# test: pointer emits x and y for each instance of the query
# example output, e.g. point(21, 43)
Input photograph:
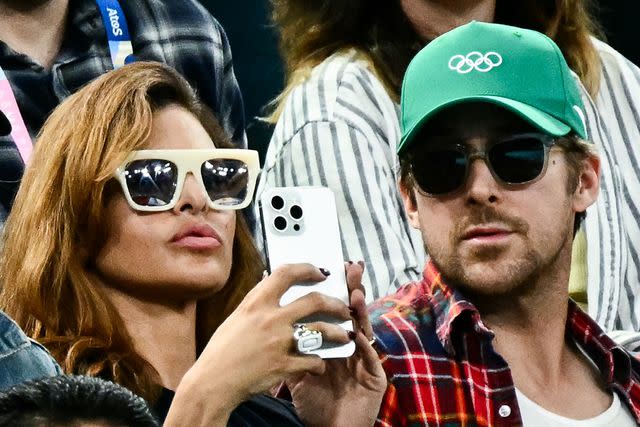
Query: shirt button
point(504, 411)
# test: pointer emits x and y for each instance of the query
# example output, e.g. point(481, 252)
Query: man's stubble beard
point(519, 276)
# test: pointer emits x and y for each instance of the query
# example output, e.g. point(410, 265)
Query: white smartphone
point(300, 225)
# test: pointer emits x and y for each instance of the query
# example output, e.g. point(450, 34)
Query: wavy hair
point(55, 229)
point(310, 32)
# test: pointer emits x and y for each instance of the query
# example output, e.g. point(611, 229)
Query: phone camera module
point(280, 223)
point(277, 202)
point(296, 212)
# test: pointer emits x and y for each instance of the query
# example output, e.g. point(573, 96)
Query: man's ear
point(588, 186)
point(410, 205)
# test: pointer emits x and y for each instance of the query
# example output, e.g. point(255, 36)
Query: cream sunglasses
point(152, 180)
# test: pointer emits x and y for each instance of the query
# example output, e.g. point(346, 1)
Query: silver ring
point(306, 339)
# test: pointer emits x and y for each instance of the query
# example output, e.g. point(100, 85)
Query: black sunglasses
point(517, 159)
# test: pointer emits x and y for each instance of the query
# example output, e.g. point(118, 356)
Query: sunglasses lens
point(151, 182)
point(226, 181)
point(518, 160)
point(439, 170)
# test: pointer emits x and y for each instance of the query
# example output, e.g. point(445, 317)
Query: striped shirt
point(613, 223)
point(444, 371)
point(340, 129)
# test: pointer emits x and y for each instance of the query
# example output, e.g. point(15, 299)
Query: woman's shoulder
point(612, 60)
point(344, 76)
point(342, 85)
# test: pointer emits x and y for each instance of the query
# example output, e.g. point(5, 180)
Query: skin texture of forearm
point(199, 404)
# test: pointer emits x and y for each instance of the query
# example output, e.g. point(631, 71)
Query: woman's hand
point(350, 390)
point(254, 349)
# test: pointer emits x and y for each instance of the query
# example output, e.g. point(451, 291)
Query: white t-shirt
point(534, 415)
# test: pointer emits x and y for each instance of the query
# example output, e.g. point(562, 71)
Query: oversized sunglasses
point(439, 169)
point(152, 180)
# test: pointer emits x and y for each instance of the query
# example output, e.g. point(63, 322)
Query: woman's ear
point(588, 187)
point(410, 205)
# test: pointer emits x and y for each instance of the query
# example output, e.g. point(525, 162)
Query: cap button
point(504, 411)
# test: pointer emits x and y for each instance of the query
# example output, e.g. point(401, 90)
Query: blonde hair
point(378, 30)
point(55, 231)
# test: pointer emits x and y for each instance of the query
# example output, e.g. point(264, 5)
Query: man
point(50, 48)
point(496, 175)
point(73, 401)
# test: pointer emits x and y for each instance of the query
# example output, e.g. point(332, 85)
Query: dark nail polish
point(350, 262)
point(352, 335)
point(325, 271)
point(361, 264)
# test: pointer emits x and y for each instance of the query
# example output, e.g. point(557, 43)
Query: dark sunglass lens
point(518, 160)
point(151, 182)
point(439, 171)
point(226, 181)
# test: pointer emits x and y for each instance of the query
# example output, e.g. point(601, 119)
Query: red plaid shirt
point(443, 370)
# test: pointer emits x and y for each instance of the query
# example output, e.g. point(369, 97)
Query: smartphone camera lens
point(296, 212)
point(277, 202)
point(296, 227)
point(280, 223)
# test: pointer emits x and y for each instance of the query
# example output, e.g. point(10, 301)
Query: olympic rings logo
point(475, 61)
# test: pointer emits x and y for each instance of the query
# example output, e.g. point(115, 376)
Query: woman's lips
point(197, 237)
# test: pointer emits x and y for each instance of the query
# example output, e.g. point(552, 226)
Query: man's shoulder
point(404, 321)
point(166, 20)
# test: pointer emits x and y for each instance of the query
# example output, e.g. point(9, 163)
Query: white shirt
point(534, 415)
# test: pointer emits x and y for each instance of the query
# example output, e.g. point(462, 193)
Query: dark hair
point(576, 152)
point(311, 31)
point(67, 400)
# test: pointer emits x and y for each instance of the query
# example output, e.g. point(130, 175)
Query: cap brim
point(533, 116)
point(5, 125)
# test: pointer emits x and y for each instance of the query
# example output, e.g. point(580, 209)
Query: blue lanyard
point(117, 32)
point(121, 52)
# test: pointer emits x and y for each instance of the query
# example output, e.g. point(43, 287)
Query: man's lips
point(486, 233)
point(197, 236)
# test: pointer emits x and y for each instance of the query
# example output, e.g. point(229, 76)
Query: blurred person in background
point(132, 264)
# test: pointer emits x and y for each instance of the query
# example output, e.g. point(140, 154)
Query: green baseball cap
point(520, 70)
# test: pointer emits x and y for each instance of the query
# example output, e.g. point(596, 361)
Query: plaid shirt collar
point(455, 315)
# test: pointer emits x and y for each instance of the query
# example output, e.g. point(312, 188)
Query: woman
point(132, 256)
point(337, 125)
